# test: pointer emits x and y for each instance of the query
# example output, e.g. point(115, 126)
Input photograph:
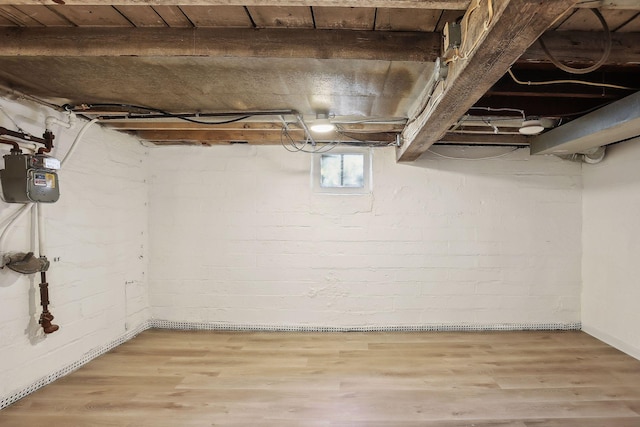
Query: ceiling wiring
point(294, 148)
point(474, 158)
point(581, 82)
point(18, 128)
point(580, 113)
point(500, 110)
point(462, 52)
point(399, 120)
point(594, 67)
point(187, 117)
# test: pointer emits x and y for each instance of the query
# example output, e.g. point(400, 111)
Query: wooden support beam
point(264, 126)
point(229, 42)
point(415, 4)
point(215, 135)
point(483, 139)
point(265, 136)
point(609, 4)
point(492, 46)
point(399, 4)
point(585, 47)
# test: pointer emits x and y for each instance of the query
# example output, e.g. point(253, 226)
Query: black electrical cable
point(185, 117)
point(298, 149)
point(580, 113)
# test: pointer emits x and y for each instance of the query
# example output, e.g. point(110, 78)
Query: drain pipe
point(592, 157)
point(69, 124)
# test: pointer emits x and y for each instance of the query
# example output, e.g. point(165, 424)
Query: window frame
point(367, 174)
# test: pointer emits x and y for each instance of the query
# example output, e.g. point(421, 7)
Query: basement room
point(361, 213)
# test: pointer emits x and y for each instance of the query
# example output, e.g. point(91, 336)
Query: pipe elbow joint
point(49, 121)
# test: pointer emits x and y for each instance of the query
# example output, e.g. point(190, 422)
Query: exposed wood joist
point(567, 46)
point(609, 4)
point(515, 25)
point(585, 47)
point(471, 139)
point(229, 42)
point(216, 135)
point(401, 4)
point(414, 4)
point(264, 126)
point(264, 136)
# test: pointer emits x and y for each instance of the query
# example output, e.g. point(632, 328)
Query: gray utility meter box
point(30, 178)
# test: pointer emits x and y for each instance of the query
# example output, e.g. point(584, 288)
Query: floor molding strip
point(86, 358)
point(457, 327)
point(195, 326)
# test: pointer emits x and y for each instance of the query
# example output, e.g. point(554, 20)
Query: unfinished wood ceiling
point(266, 68)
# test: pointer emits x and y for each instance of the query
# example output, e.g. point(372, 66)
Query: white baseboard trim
point(612, 341)
point(189, 326)
point(86, 358)
point(192, 326)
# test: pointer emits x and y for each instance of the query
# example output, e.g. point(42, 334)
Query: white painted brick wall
point(611, 235)
point(235, 234)
point(238, 236)
point(98, 229)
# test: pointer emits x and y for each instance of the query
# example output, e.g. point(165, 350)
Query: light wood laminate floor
point(173, 378)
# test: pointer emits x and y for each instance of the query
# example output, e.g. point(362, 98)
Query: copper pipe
point(46, 140)
point(23, 136)
point(16, 147)
point(46, 317)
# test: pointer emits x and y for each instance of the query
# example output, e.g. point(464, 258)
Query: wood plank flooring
point(508, 379)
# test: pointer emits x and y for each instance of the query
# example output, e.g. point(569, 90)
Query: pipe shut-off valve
point(31, 178)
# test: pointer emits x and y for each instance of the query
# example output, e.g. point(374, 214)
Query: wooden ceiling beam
point(264, 126)
point(475, 139)
point(568, 46)
point(585, 47)
point(400, 4)
point(215, 135)
point(493, 45)
point(403, 4)
point(221, 42)
point(275, 137)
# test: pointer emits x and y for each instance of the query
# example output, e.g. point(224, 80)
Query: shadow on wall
point(494, 161)
point(34, 329)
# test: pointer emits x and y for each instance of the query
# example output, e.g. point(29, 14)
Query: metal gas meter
point(30, 178)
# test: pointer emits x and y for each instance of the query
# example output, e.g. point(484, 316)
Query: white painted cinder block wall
point(238, 236)
point(611, 236)
point(98, 230)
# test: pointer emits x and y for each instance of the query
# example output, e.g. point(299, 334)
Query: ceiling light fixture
point(531, 127)
point(322, 124)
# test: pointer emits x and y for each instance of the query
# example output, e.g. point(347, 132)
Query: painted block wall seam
point(247, 241)
point(277, 237)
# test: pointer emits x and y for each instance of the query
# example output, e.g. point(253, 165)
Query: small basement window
point(342, 172)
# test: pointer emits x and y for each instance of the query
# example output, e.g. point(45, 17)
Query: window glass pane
point(330, 170)
point(342, 170)
point(353, 170)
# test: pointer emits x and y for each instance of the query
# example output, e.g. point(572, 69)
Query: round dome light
point(322, 126)
point(531, 127)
